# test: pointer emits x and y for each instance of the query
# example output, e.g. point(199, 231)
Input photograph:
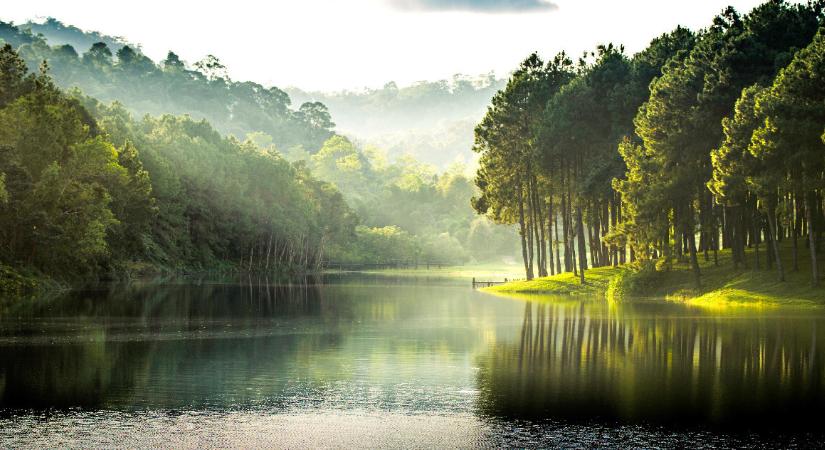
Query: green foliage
point(386, 244)
point(58, 176)
point(220, 199)
point(109, 69)
point(4, 194)
point(432, 209)
point(792, 113)
point(56, 31)
point(85, 189)
point(15, 285)
point(716, 135)
point(680, 123)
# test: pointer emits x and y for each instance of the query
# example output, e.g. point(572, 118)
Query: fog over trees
point(431, 121)
point(183, 167)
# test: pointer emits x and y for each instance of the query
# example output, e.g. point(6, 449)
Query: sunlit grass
point(562, 284)
point(723, 286)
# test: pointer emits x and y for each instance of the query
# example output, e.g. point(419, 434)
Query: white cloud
point(489, 6)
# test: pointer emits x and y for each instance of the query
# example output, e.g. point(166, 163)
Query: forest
point(112, 165)
point(702, 142)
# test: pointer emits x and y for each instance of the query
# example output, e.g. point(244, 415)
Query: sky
point(332, 45)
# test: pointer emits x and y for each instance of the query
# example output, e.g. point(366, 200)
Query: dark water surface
point(381, 361)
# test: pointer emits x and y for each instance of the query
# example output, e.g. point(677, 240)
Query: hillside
point(432, 121)
point(109, 70)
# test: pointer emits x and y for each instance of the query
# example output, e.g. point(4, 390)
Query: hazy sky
point(337, 44)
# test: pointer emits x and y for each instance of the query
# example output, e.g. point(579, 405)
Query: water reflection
point(655, 362)
point(97, 348)
point(350, 342)
point(407, 346)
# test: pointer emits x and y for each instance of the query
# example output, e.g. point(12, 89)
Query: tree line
point(89, 191)
point(717, 135)
point(404, 209)
point(113, 70)
point(86, 189)
point(408, 210)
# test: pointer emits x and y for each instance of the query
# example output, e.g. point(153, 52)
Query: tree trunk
point(582, 250)
point(739, 240)
point(772, 231)
point(694, 260)
point(522, 233)
point(566, 232)
point(550, 221)
point(530, 252)
point(794, 229)
point(538, 228)
point(556, 239)
point(811, 240)
point(715, 244)
point(268, 250)
point(678, 237)
point(666, 247)
point(756, 241)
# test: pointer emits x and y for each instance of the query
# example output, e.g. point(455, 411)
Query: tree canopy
point(715, 134)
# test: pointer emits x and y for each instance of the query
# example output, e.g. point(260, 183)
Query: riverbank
point(25, 283)
point(722, 285)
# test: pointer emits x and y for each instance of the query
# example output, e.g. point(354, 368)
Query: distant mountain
point(430, 120)
point(110, 69)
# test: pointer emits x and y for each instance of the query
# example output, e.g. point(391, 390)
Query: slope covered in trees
point(109, 69)
point(703, 141)
point(408, 210)
point(86, 189)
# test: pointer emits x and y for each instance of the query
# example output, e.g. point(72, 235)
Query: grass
point(597, 281)
point(722, 284)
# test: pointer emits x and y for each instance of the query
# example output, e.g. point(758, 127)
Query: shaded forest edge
point(634, 173)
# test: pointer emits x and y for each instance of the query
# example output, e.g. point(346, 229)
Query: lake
point(356, 360)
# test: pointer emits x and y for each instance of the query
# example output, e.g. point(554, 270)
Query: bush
point(14, 284)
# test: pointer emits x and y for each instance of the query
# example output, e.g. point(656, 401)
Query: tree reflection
point(120, 339)
point(655, 363)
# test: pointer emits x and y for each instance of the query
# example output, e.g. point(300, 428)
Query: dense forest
point(703, 141)
point(93, 186)
point(86, 188)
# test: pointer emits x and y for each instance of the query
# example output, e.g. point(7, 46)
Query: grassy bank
point(722, 285)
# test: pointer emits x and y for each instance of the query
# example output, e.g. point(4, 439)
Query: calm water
point(367, 361)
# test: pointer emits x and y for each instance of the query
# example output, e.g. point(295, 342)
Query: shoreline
point(722, 284)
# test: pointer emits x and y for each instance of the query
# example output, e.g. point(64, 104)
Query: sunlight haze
point(333, 45)
point(412, 224)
